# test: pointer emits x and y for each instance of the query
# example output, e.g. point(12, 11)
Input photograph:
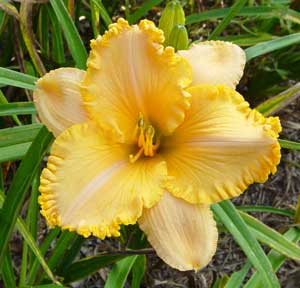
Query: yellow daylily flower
point(150, 136)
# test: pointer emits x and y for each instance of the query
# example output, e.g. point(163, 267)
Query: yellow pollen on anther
point(147, 139)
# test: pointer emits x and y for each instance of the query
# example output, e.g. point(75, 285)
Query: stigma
point(146, 138)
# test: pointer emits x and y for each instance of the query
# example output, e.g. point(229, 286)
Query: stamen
point(145, 136)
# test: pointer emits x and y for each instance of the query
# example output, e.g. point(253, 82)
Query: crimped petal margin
point(90, 187)
point(58, 99)
point(129, 72)
point(222, 147)
point(216, 62)
point(184, 235)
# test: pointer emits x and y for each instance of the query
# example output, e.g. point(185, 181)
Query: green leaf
point(17, 79)
point(104, 14)
point(88, 266)
point(17, 108)
point(227, 213)
point(21, 227)
point(237, 278)
point(17, 135)
point(268, 209)
point(138, 271)
point(14, 152)
point(7, 272)
point(58, 52)
point(236, 7)
point(289, 144)
point(280, 101)
point(3, 100)
point(118, 275)
point(43, 249)
point(20, 185)
point(143, 10)
point(72, 36)
point(220, 13)
point(275, 258)
point(271, 238)
point(57, 255)
point(270, 46)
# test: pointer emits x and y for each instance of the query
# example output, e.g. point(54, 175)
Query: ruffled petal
point(184, 235)
point(216, 62)
point(58, 99)
point(222, 147)
point(129, 72)
point(90, 186)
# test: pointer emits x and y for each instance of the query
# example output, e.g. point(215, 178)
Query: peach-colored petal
point(222, 147)
point(184, 235)
point(216, 62)
point(90, 186)
point(58, 99)
point(130, 73)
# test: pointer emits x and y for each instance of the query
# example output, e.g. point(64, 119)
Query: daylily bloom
point(150, 136)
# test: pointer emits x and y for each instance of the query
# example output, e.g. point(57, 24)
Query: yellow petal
point(129, 72)
point(216, 62)
point(90, 186)
point(222, 147)
point(184, 235)
point(58, 100)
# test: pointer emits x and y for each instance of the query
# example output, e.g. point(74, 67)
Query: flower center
point(147, 139)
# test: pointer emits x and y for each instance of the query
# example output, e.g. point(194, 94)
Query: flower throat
point(147, 139)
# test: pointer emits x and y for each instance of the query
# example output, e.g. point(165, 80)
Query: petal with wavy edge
point(222, 147)
point(184, 235)
point(216, 62)
point(58, 99)
point(90, 186)
point(130, 72)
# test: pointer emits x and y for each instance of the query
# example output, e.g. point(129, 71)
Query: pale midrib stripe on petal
point(216, 141)
point(90, 189)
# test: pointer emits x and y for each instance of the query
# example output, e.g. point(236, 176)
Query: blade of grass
point(278, 102)
point(21, 227)
point(31, 224)
point(143, 10)
point(20, 185)
point(3, 100)
point(236, 7)
point(17, 135)
point(17, 79)
point(44, 247)
point(275, 258)
point(255, 11)
point(14, 152)
point(237, 278)
point(57, 255)
point(9, 9)
point(95, 19)
point(17, 108)
point(104, 14)
point(268, 209)
point(7, 272)
point(234, 223)
point(58, 52)
point(271, 238)
point(289, 144)
point(72, 36)
point(28, 36)
point(272, 45)
point(138, 271)
point(87, 266)
point(118, 275)
point(43, 30)
point(70, 254)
